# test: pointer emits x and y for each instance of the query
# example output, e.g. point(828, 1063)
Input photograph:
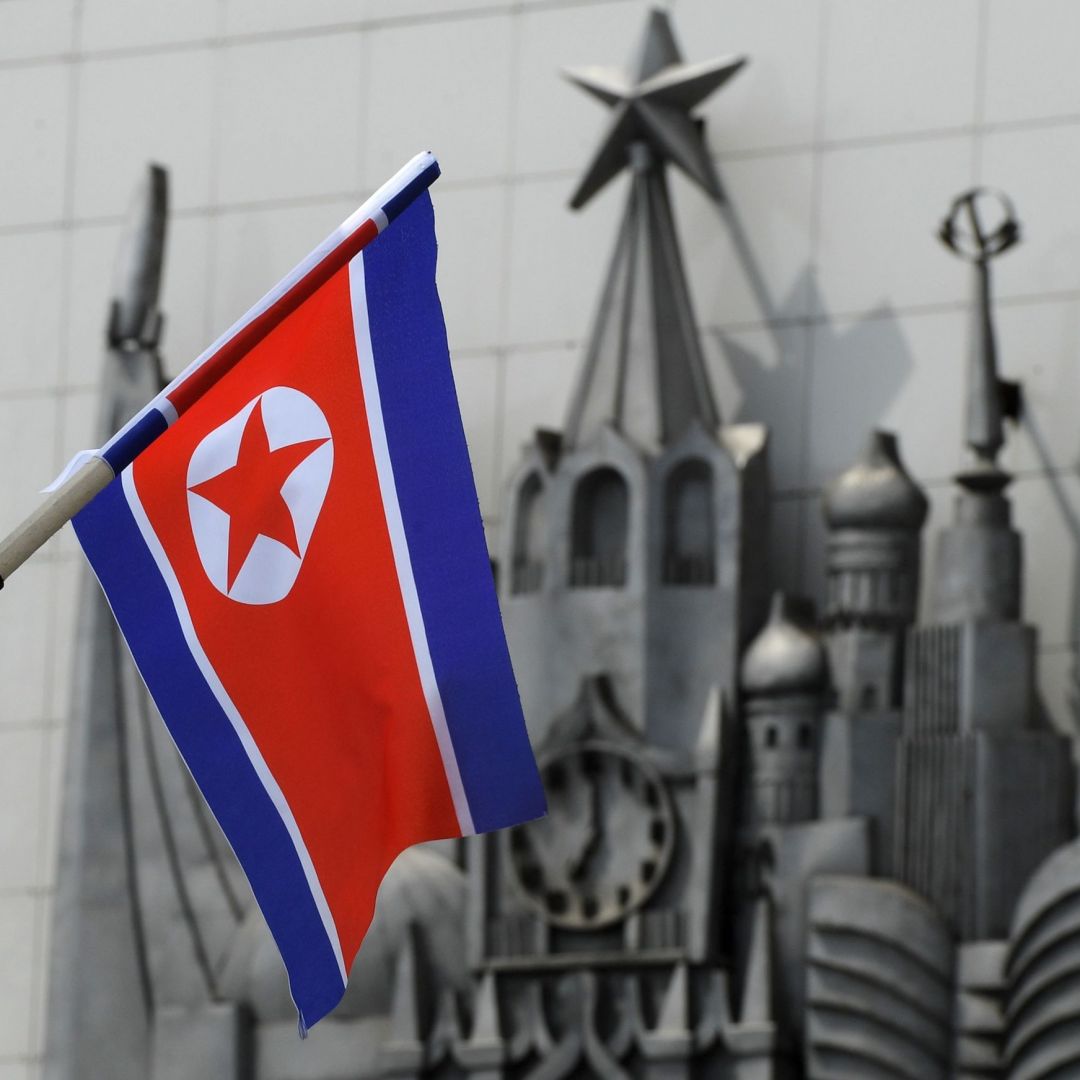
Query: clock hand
point(575, 866)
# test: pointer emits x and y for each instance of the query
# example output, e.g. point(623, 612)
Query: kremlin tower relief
point(633, 535)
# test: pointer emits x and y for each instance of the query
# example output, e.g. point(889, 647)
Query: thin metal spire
point(989, 399)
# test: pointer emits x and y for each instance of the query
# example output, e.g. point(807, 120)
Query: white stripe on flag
point(400, 544)
point(258, 763)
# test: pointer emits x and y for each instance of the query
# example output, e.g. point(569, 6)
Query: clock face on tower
point(605, 844)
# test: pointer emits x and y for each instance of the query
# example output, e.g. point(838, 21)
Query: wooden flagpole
point(59, 507)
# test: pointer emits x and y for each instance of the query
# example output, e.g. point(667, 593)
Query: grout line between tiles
point(222, 40)
point(814, 242)
point(506, 257)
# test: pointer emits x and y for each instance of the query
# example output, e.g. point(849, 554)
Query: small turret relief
point(785, 677)
point(874, 512)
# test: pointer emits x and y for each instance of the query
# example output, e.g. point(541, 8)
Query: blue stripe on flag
point(121, 453)
point(397, 203)
point(140, 600)
point(442, 523)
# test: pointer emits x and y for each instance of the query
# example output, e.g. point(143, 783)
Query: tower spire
point(644, 372)
point(978, 570)
point(135, 318)
point(966, 234)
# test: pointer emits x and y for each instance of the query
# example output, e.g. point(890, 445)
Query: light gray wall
point(841, 146)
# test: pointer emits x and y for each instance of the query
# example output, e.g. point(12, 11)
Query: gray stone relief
point(780, 843)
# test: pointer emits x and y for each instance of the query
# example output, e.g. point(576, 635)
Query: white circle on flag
point(242, 480)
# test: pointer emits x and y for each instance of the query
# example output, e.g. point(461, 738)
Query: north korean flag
point(297, 562)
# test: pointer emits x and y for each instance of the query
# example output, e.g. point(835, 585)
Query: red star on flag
point(250, 491)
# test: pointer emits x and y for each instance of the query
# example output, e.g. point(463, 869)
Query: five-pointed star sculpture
point(653, 106)
point(250, 491)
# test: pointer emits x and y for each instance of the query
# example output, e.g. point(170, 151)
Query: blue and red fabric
point(297, 561)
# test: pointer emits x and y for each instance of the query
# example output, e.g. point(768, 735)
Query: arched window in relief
point(530, 520)
point(601, 521)
point(689, 525)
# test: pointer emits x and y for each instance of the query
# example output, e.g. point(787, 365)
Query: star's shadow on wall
point(844, 373)
point(819, 383)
